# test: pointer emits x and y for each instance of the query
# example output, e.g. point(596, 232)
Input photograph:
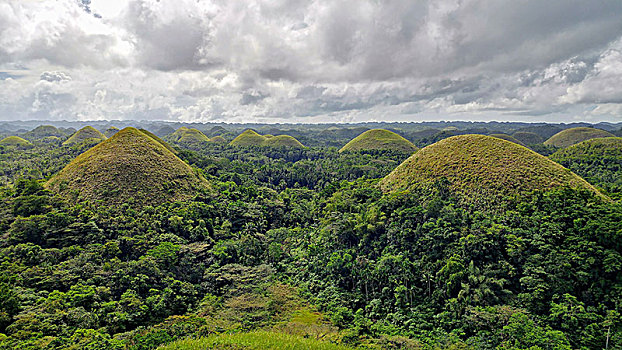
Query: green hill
point(282, 141)
point(129, 167)
point(186, 135)
point(599, 161)
point(481, 170)
point(15, 141)
point(42, 131)
point(111, 131)
point(251, 138)
point(86, 133)
point(379, 139)
point(573, 136)
point(218, 139)
point(507, 138)
point(162, 142)
point(528, 138)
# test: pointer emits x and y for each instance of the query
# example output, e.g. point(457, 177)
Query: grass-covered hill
point(162, 142)
point(43, 131)
point(599, 161)
point(130, 167)
point(251, 138)
point(218, 139)
point(15, 141)
point(481, 169)
point(572, 136)
point(507, 138)
point(111, 131)
point(379, 139)
point(87, 133)
point(185, 135)
point(528, 138)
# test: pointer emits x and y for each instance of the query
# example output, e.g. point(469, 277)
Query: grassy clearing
point(260, 340)
point(573, 136)
point(379, 139)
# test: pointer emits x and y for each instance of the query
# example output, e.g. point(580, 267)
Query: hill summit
point(251, 138)
point(481, 170)
point(87, 133)
point(573, 136)
point(379, 139)
point(130, 167)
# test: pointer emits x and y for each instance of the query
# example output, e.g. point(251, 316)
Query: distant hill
point(528, 138)
point(545, 131)
point(111, 131)
point(185, 135)
point(87, 133)
point(15, 141)
point(251, 138)
point(598, 160)
point(43, 131)
point(162, 142)
point(130, 167)
point(379, 139)
point(218, 139)
point(165, 130)
point(572, 136)
point(481, 170)
point(507, 138)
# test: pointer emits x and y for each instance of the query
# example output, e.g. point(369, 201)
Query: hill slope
point(84, 134)
point(528, 138)
point(481, 169)
point(111, 131)
point(379, 139)
point(507, 138)
point(572, 136)
point(128, 167)
point(15, 141)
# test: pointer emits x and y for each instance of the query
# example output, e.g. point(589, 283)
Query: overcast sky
point(311, 61)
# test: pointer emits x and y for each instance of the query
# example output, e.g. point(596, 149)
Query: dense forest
point(304, 245)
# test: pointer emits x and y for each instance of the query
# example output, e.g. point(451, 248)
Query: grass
point(15, 141)
point(260, 340)
point(186, 135)
point(481, 170)
point(251, 138)
point(129, 167)
point(573, 136)
point(84, 134)
point(162, 142)
point(604, 147)
point(379, 139)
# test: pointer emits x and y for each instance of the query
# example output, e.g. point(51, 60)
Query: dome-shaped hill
point(481, 170)
point(248, 138)
point(42, 131)
point(282, 141)
point(218, 139)
point(593, 148)
point(379, 139)
point(111, 131)
point(86, 133)
point(130, 167)
point(217, 131)
point(188, 137)
point(528, 138)
point(162, 142)
point(251, 138)
point(572, 136)
point(15, 141)
point(507, 138)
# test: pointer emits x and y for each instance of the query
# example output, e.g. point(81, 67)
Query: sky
point(279, 61)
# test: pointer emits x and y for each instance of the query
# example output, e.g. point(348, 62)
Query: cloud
point(307, 60)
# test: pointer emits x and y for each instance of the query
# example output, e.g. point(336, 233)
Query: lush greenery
point(300, 249)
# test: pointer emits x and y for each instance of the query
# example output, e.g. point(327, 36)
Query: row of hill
point(250, 138)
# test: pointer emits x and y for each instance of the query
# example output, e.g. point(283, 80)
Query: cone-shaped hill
point(15, 141)
point(185, 135)
point(43, 131)
point(379, 139)
point(87, 133)
point(507, 138)
point(481, 170)
point(130, 167)
point(251, 138)
point(218, 139)
point(573, 136)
